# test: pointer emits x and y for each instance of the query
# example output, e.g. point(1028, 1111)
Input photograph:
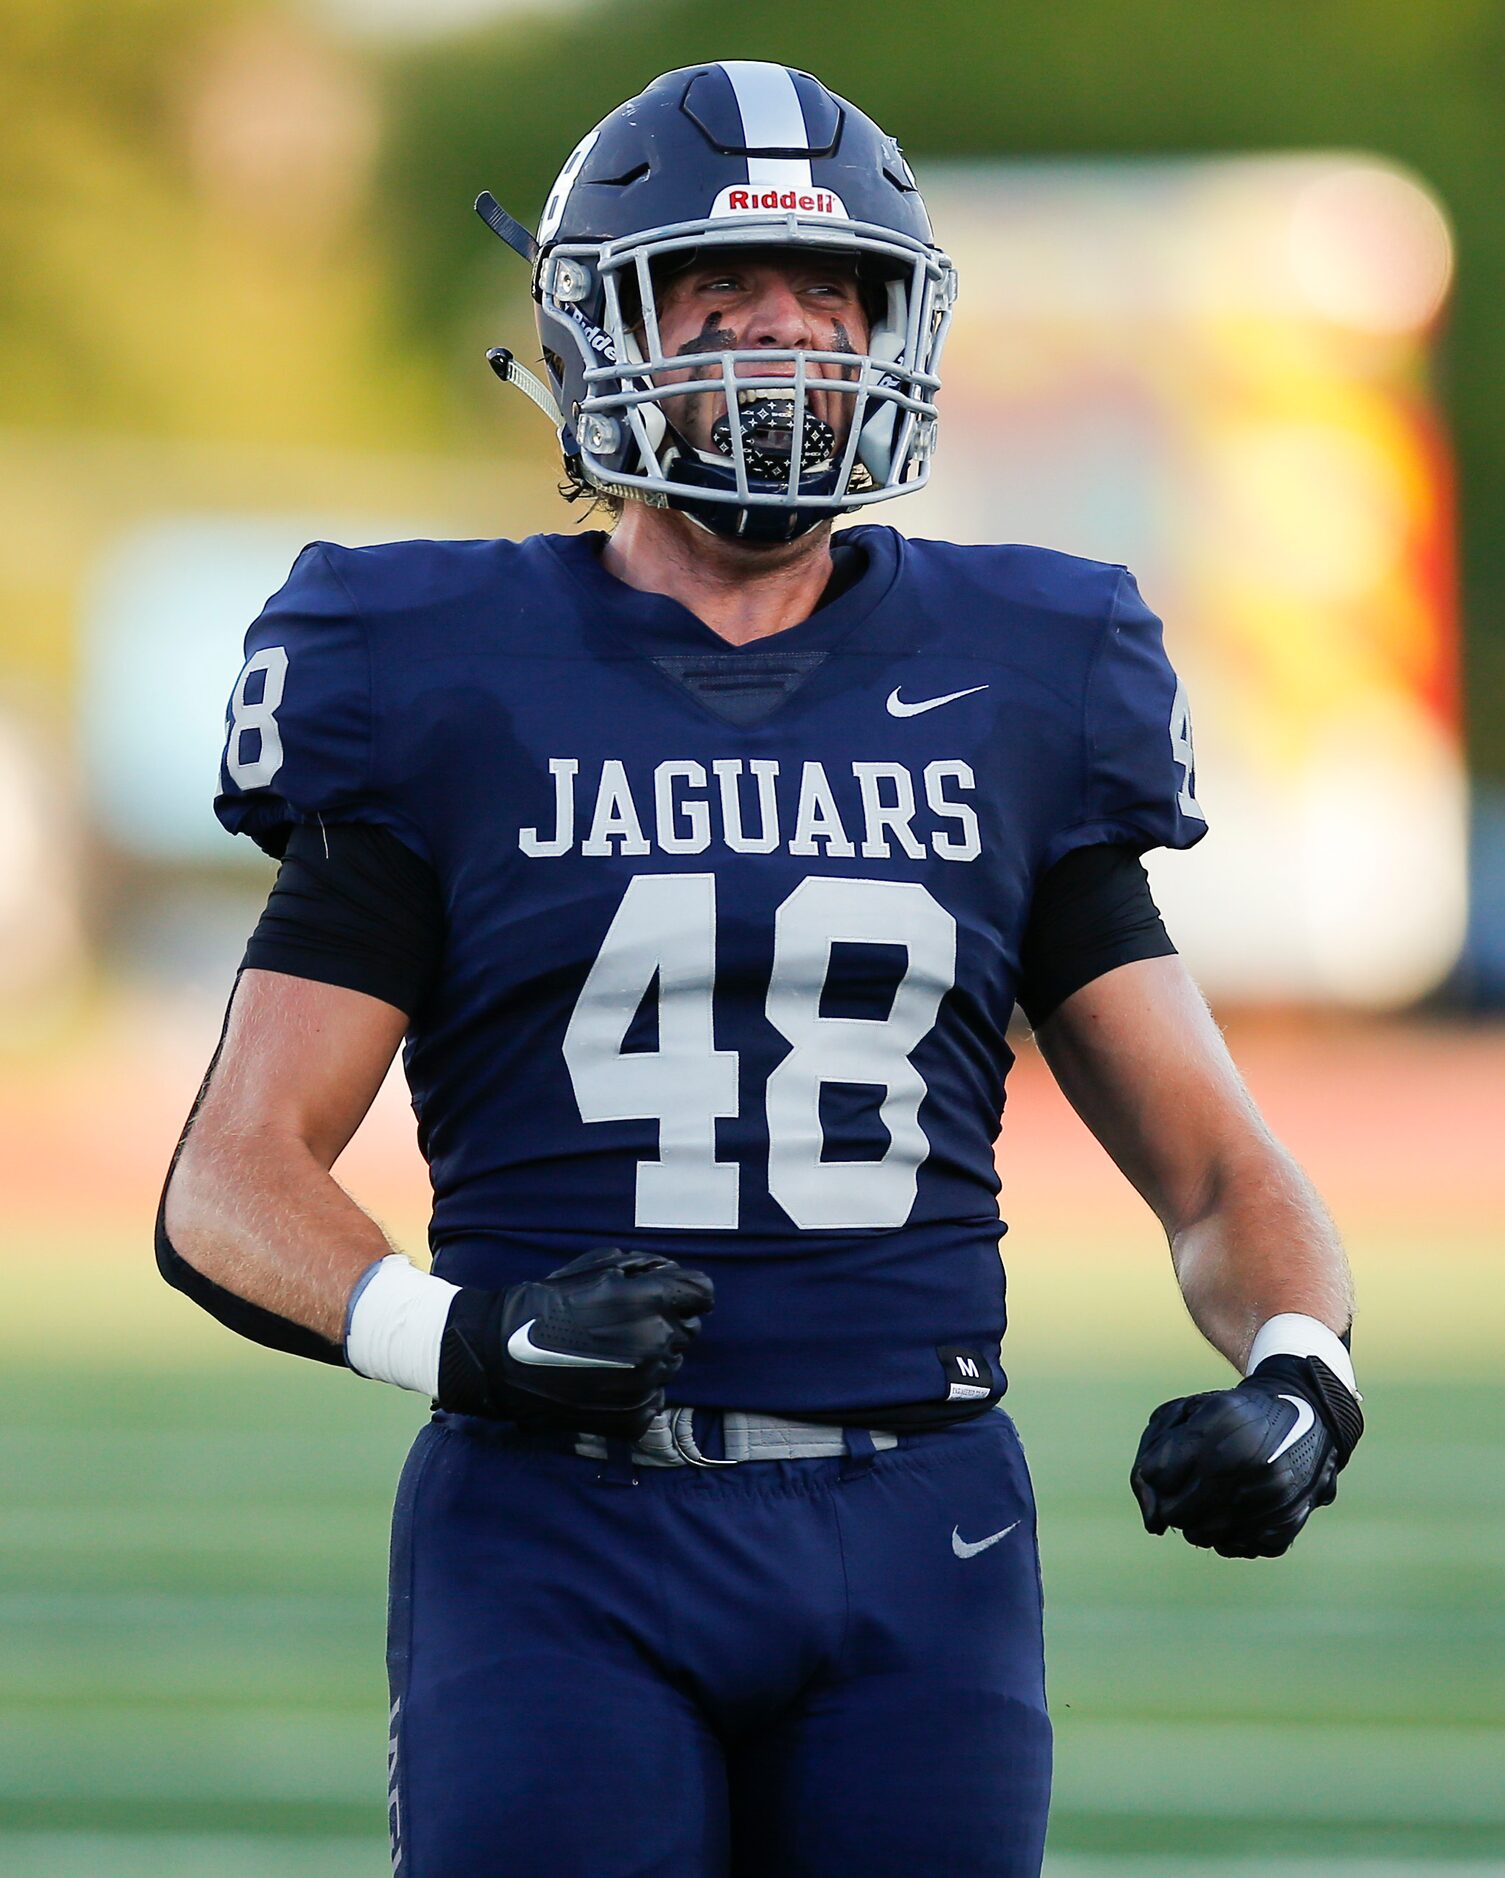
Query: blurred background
point(1231, 282)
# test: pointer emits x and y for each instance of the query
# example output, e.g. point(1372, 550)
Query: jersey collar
point(655, 624)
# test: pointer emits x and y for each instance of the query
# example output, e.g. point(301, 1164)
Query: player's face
point(760, 300)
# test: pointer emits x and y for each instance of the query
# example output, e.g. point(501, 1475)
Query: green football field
point(191, 1603)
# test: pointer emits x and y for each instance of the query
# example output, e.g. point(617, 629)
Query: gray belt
point(669, 1440)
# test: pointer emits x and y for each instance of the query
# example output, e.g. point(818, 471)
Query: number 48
point(665, 931)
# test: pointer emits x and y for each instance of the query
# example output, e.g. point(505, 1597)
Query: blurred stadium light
point(1214, 371)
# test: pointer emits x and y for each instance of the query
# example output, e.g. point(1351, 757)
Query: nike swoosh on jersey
point(898, 708)
point(522, 1349)
point(969, 1548)
point(1305, 1416)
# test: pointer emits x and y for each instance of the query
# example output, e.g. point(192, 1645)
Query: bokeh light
point(1149, 367)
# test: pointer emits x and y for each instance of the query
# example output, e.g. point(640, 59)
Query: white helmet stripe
point(771, 118)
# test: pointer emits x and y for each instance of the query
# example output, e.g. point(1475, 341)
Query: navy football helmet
point(754, 156)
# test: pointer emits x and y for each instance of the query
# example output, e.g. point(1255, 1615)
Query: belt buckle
point(682, 1434)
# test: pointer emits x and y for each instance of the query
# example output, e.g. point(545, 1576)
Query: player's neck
point(743, 593)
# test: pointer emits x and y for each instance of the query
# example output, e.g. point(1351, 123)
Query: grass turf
point(191, 1607)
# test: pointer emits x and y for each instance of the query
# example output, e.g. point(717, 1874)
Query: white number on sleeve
point(664, 935)
point(260, 717)
point(1182, 753)
point(665, 928)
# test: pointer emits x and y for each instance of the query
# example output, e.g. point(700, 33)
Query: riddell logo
point(594, 337)
point(750, 201)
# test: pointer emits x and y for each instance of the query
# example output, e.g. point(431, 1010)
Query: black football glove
point(1241, 1469)
point(589, 1347)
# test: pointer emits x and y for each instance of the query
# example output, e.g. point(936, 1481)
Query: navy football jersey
point(732, 934)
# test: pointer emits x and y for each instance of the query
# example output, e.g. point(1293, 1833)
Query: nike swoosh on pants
point(969, 1548)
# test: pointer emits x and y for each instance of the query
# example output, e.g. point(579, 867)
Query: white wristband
point(1291, 1334)
point(396, 1322)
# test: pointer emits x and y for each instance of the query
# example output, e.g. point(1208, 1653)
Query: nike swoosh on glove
point(589, 1347)
point(1241, 1470)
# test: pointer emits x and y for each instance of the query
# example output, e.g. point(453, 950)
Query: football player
point(697, 867)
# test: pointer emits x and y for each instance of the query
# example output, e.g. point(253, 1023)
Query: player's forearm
point(256, 1213)
point(590, 1346)
point(1262, 1245)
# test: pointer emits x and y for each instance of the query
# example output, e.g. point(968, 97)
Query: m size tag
point(968, 1377)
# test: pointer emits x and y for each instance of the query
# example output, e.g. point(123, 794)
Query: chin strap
point(510, 372)
point(507, 228)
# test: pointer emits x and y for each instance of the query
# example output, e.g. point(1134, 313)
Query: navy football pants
point(781, 1668)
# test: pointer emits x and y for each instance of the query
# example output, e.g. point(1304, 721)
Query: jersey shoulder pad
point(300, 737)
point(417, 581)
point(1138, 770)
point(1016, 577)
point(1078, 635)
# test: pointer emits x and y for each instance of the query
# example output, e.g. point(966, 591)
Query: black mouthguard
point(767, 426)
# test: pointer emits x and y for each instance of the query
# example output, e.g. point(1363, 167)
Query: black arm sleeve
point(353, 906)
point(1092, 911)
